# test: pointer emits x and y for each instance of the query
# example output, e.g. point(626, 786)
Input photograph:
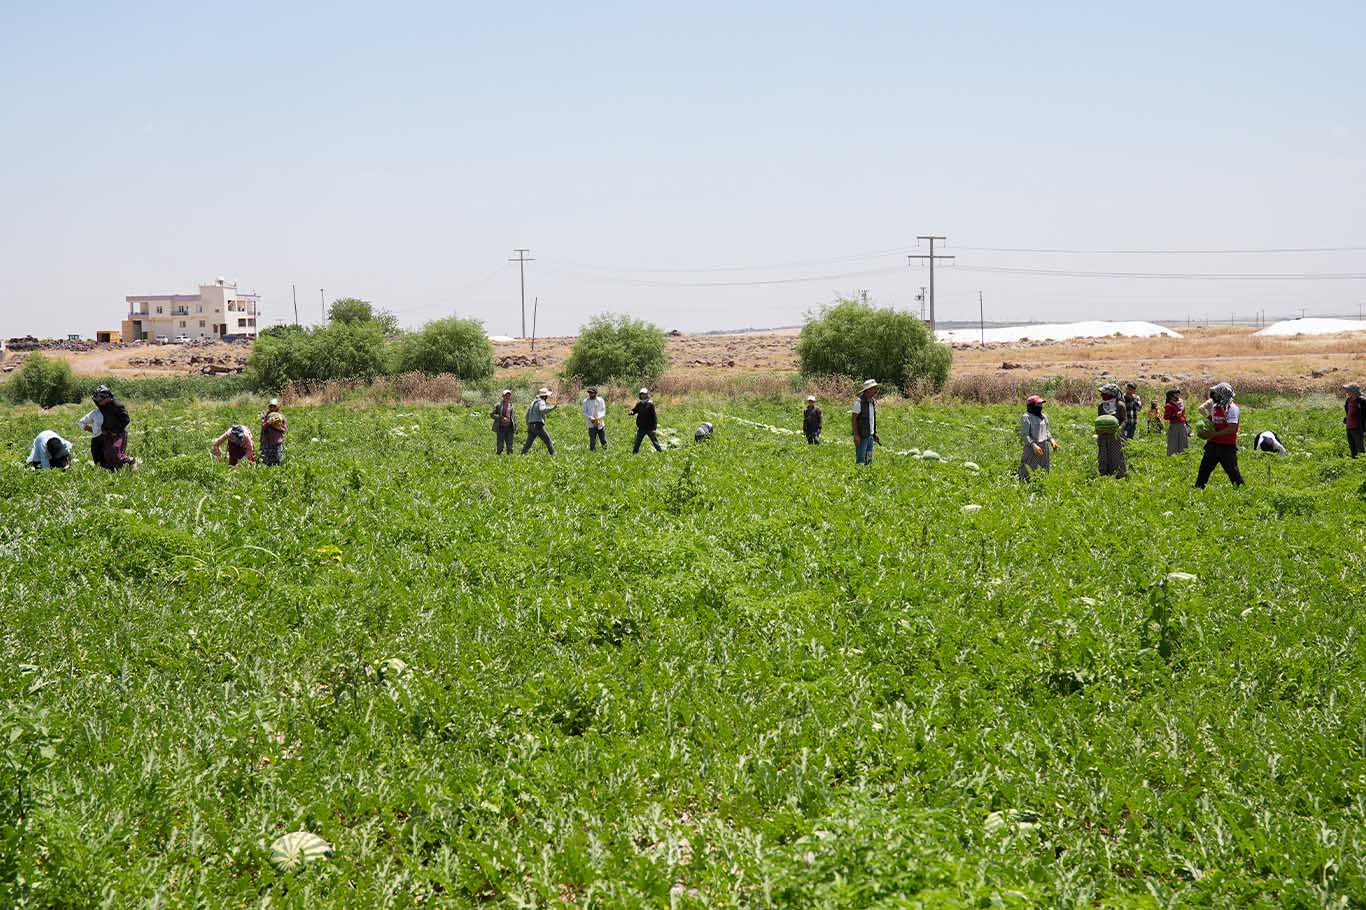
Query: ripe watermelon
point(296, 849)
point(1204, 428)
point(1107, 424)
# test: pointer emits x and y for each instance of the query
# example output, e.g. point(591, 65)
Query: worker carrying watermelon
point(1039, 444)
point(1111, 415)
point(273, 429)
point(1219, 429)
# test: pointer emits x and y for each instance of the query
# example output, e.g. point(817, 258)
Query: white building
point(218, 311)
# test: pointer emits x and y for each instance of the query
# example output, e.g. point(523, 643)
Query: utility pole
point(521, 261)
point(322, 304)
point(863, 297)
point(535, 306)
point(920, 298)
point(982, 318)
point(930, 259)
point(294, 292)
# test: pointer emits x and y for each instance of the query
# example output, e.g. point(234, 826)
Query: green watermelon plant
point(748, 673)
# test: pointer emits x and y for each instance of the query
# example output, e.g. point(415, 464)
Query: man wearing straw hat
point(864, 418)
point(535, 422)
point(504, 423)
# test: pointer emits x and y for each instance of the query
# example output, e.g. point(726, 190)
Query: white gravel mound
point(1312, 326)
point(1058, 331)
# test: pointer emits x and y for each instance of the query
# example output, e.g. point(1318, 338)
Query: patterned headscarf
point(1221, 393)
point(1109, 390)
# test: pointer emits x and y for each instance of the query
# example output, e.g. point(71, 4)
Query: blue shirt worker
point(864, 419)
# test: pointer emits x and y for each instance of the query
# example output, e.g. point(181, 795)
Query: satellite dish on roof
point(221, 280)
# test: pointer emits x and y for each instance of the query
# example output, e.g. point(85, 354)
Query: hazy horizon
point(703, 168)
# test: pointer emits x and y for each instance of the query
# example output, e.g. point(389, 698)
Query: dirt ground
point(1229, 350)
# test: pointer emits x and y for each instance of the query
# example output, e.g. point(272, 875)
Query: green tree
point(860, 341)
point(617, 348)
point(387, 322)
point(339, 350)
point(45, 381)
point(458, 346)
point(350, 311)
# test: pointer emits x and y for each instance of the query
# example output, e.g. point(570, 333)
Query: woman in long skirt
point(1178, 427)
point(1110, 450)
point(1038, 441)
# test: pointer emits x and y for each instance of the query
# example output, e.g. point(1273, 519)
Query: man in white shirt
point(50, 451)
point(595, 413)
point(92, 423)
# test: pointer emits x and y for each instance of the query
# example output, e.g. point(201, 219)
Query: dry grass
point(405, 388)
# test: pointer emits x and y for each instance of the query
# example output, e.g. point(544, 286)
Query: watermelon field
point(744, 673)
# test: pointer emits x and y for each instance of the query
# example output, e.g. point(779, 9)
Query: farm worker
point(1110, 451)
point(811, 421)
point(1354, 418)
point(647, 421)
point(535, 421)
point(1154, 418)
point(93, 423)
point(504, 423)
point(1039, 444)
point(595, 413)
point(1132, 405)
point(864, 420)
point(1267, 441)
point(1178, 427)
point(239, 443)
point(703, 432)
point(273, 429)
point(113, 431)
point(50, 451)
point(1221, 442)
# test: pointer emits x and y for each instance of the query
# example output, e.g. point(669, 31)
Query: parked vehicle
point(163, 339)
point(182, 338)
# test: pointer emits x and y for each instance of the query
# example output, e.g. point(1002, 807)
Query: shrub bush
point(456, 346)
point(859, 341)
point(45, 381)
point(339, 350)
point(617, 348)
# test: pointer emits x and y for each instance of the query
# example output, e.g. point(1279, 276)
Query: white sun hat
point(507, 391)
point(645, 391)
point(542, 391)
point(870, 384)
point(810, 397)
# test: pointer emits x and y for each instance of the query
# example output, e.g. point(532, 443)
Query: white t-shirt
point(39, 454)
point(94, 420)
point(594, 409)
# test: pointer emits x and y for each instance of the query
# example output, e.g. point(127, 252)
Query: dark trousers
point(596, 435)
point(1223, 454)
point(535, 431)
point(640, 437)
point(97, 451)
point(813, 438)
point(507, 438)
point(1355, 442)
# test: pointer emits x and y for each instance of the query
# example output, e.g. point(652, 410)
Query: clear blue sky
point(401, 153)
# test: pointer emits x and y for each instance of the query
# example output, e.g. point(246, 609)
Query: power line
point(751, 283)
point(1306, 249)
point(1173, 276)
point(521, 261)
point(799, 263)
point(930, 259)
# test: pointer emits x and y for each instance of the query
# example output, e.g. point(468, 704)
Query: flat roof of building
point(137, 297)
